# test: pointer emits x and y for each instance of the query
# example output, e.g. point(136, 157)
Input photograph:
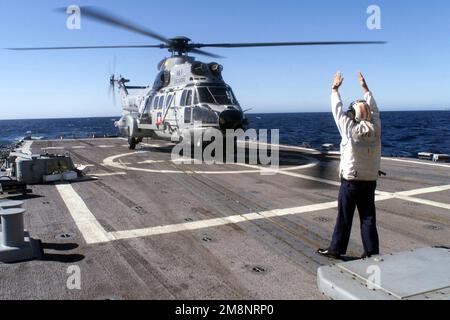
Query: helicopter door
point(170, 112)
point(186, 101)
point(154, 111)
point(146, 116)
point(160, 111)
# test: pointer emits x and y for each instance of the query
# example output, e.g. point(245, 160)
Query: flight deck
point(140, 225)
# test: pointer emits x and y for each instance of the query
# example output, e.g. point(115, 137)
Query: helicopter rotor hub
point(179, 45)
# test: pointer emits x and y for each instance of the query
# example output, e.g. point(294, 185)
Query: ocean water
point(404, 133)
point(14, 130)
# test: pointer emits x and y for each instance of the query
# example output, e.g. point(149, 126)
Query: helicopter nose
point(230, 119)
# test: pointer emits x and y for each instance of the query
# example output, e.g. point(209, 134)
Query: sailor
point(360, 129)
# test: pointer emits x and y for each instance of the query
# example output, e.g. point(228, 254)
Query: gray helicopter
point(187, 96)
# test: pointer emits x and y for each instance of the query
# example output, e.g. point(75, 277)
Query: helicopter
point(188, 96)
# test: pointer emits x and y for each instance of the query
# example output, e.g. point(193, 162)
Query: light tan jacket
point(361, 141)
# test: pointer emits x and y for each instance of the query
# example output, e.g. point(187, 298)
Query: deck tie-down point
point(15, 243)
point(10, 204)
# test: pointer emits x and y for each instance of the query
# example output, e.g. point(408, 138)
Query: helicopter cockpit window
point(186, 98)
point(195, 97)
point(161, 102)
point(216, 95)
point(204, 96)
point(222, 95)
point(189, 98)
point(183, 98)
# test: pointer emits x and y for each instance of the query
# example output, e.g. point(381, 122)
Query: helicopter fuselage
point(186, 97)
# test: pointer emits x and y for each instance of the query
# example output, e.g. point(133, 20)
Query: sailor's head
point(359, 110)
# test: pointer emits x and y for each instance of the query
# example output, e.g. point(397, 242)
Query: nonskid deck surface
point(151, 228)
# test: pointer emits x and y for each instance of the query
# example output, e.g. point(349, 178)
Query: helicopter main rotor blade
point(107, 18)
point(90, 47)
point(160, 46)
point(208, 54)
point(281, 44)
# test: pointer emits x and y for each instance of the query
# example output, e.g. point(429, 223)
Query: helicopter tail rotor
point(112, 88)
point(112, 80)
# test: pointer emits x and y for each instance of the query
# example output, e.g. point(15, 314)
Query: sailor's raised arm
point(340, 117)
point(368, 96)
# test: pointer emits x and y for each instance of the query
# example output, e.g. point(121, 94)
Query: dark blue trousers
point(361, 195)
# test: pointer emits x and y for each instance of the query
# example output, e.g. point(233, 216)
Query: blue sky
point(411, 72)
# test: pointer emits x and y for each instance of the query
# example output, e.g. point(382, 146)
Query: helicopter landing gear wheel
point(132, 143)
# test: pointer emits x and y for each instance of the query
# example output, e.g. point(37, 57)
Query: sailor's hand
point(362, 82)
point(338, 79)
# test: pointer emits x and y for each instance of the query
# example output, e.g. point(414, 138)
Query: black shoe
point(366, 255)
point(328, 253)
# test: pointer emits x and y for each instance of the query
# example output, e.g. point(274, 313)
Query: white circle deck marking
point(110, 161)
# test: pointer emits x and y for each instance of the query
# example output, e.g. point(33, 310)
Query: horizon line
point(248, 113)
